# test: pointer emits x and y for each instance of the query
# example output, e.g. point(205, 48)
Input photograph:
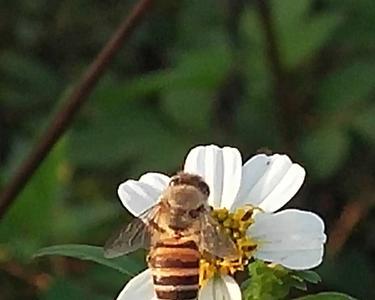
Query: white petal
point(269, 182)
point(252, 171)
point(292, 238)
point(140, 287)
point(138, 196)
point(220, 168)
point(157, 180)
point(232, 165)
point(222, 288)
point(207, 162)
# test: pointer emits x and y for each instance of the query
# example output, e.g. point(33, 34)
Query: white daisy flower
point(244, 198)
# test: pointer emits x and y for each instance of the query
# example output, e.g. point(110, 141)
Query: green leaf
point(289, 11)
point(297, 283)
point(309, 276)
point(190, 108)
point(124, 264)
point(127, 131)
point(64, 289)
point(28, 221)
point(305, 39)
point(115, 118)
point(30, 73)
point(299, 32)
point(327, 296)
point(268, 283)
point(199, 69)
point(72, 224)
point(346, 88)
point(324, 151)
point(274, 281)
point(200, 23)
point(204, 68)
point(364, 123)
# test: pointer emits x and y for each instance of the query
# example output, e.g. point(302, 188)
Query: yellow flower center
point(235, 225)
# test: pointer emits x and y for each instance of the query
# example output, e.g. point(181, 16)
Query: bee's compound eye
point(204, 188)
point(194, 213)
point(174, 181)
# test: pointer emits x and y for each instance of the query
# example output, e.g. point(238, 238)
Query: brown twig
point(351, 215)
point(281, 89)
point(229, 95)
point(63, 118)
point(354, 212)
point(272, 46)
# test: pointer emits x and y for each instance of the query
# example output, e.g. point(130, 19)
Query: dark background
point(294, 76)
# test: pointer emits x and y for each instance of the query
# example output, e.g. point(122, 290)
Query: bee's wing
point(135, 235)
point(215, 240)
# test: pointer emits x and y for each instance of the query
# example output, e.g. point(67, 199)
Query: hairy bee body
point(174, 265)
point(177, 230)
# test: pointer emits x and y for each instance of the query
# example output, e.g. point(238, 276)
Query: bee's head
point(191, 180)
point(186, 197)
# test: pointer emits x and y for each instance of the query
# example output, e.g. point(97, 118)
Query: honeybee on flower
point(242, 200)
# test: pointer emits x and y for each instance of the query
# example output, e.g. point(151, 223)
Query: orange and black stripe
point(175, 270)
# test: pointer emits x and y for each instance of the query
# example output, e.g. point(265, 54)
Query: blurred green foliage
point(197, 72)
point(275, 282)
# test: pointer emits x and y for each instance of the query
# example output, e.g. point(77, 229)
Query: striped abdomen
point(175, 270)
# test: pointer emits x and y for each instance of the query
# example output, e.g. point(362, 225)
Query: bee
point(178, 230)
